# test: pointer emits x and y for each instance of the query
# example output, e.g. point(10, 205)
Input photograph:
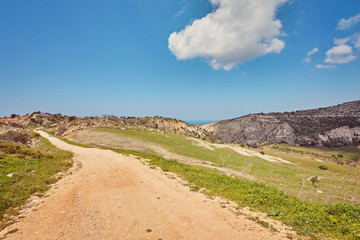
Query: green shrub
point(322, 167)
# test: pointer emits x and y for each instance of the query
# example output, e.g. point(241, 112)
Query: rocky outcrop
point(332, 126)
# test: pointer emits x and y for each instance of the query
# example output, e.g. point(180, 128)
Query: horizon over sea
point(199, 122)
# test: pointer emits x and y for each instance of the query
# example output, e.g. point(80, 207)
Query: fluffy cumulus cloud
point(339, 50)
point(345, 24)
point(236, 31)
point(340, 59)
point(308, 58)
point(339, 55)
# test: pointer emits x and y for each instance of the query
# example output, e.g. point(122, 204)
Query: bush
point(314, 180)
point(71, 118)
point(38, 112)
point(262, 153)
point(340, 156)
point(12, 136)
point(322, 167)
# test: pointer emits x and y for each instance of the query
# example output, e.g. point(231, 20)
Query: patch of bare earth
point(117, 197)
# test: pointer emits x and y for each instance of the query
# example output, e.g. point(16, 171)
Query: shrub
point(38, 112)
point(322, 167)
point(340, 156)
point(71, 118)
point(12, 136)
point(314, 180)
point(262, 153)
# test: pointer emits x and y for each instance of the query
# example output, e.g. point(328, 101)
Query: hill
point(62, 125)
point(331, 126)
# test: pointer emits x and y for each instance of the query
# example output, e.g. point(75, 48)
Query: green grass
point(35, 168)
point(348, 153)
point(335, 184)
point(339, 220)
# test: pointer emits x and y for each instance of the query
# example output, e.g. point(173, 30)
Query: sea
point(199, 122)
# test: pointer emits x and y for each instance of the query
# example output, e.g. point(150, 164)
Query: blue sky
point(94, 57)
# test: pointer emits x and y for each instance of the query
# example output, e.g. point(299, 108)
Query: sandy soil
point(118, 197)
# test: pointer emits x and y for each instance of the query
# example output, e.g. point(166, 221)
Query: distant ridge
point(330, 126)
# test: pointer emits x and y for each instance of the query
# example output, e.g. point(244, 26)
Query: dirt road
point(117, 197)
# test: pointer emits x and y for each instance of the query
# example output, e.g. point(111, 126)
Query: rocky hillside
point(162, 124)
point(64, 125)
point(331, 126)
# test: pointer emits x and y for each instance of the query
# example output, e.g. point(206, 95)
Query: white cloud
point(307, 60)
point(236, 31)
point(328, 67)
point(345, 24)
point(340, 59)
point(339, 50)
point(340, 54)
point(356, 40)
point(313, 51)
point(180, 12)
point(341, 41)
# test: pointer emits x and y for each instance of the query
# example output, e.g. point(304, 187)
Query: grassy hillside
point(25, 171)
point(318, 221)
point(283, 191)
point(335, 185)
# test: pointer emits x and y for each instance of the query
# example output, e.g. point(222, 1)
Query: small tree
point(314, 180)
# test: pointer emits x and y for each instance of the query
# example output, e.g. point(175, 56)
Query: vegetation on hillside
point(335, 184)
point(339, 220)
point(26, 170)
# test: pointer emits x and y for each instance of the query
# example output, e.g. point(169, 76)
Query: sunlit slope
point(293, 175)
